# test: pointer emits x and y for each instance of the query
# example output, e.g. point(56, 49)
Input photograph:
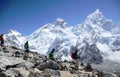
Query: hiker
point(52, 55)
point(26, 46)
point(2, 40)
point(75, 57)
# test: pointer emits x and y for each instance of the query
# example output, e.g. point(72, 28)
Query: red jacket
point(1, 37)
point(73, 55)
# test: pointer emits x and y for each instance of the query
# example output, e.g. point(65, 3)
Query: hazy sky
point(26, 16)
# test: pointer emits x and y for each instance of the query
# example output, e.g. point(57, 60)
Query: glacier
point(97, 38)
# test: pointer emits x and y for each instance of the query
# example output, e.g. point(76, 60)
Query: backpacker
point(1, 37)
point(73, 55)
point(52, 54)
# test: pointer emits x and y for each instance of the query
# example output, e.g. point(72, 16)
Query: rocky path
point(17, 63)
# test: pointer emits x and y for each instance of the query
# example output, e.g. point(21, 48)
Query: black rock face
point(90, 54)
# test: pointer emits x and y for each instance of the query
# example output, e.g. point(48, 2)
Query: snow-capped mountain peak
point(64, 38)
point(14, 38)
point(60, 20)
point(96, 16)
point(61, 23)
point(14, 32)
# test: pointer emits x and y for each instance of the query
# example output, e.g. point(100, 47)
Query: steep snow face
point(14, 38)
point(116, 31)
point(97, 30)
point(96, 17)
point(92, 29)
point(62, 46)
point(42, 38)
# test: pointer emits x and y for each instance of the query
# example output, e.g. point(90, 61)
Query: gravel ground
point(107, 66)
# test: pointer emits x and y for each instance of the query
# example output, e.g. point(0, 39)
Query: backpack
point(73, 55)
point(1, 37)
point(26, 45)
point(51, 56)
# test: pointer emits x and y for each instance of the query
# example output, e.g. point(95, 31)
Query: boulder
point(89, 53)
point(26, 65)
point(49, 65)
point(22, 71)
point(12, 73)
point(6, 61)
point(34, 72)
point(2, 74)
point(50, 73)
point(18, 54)
point(88, 67)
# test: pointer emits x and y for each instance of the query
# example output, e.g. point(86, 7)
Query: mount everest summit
point(96, 39)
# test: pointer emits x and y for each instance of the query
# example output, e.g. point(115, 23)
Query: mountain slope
point(14, 38)
point(100, 33)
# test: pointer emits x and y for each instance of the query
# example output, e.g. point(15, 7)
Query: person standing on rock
point(75, 57)
point(26, 46)
point(2, 40)
point(52, 55)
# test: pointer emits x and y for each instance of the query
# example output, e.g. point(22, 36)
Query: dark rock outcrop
point(90, 54)
point(49, 65)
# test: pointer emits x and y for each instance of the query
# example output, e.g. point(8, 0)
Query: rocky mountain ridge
point(15, 62)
